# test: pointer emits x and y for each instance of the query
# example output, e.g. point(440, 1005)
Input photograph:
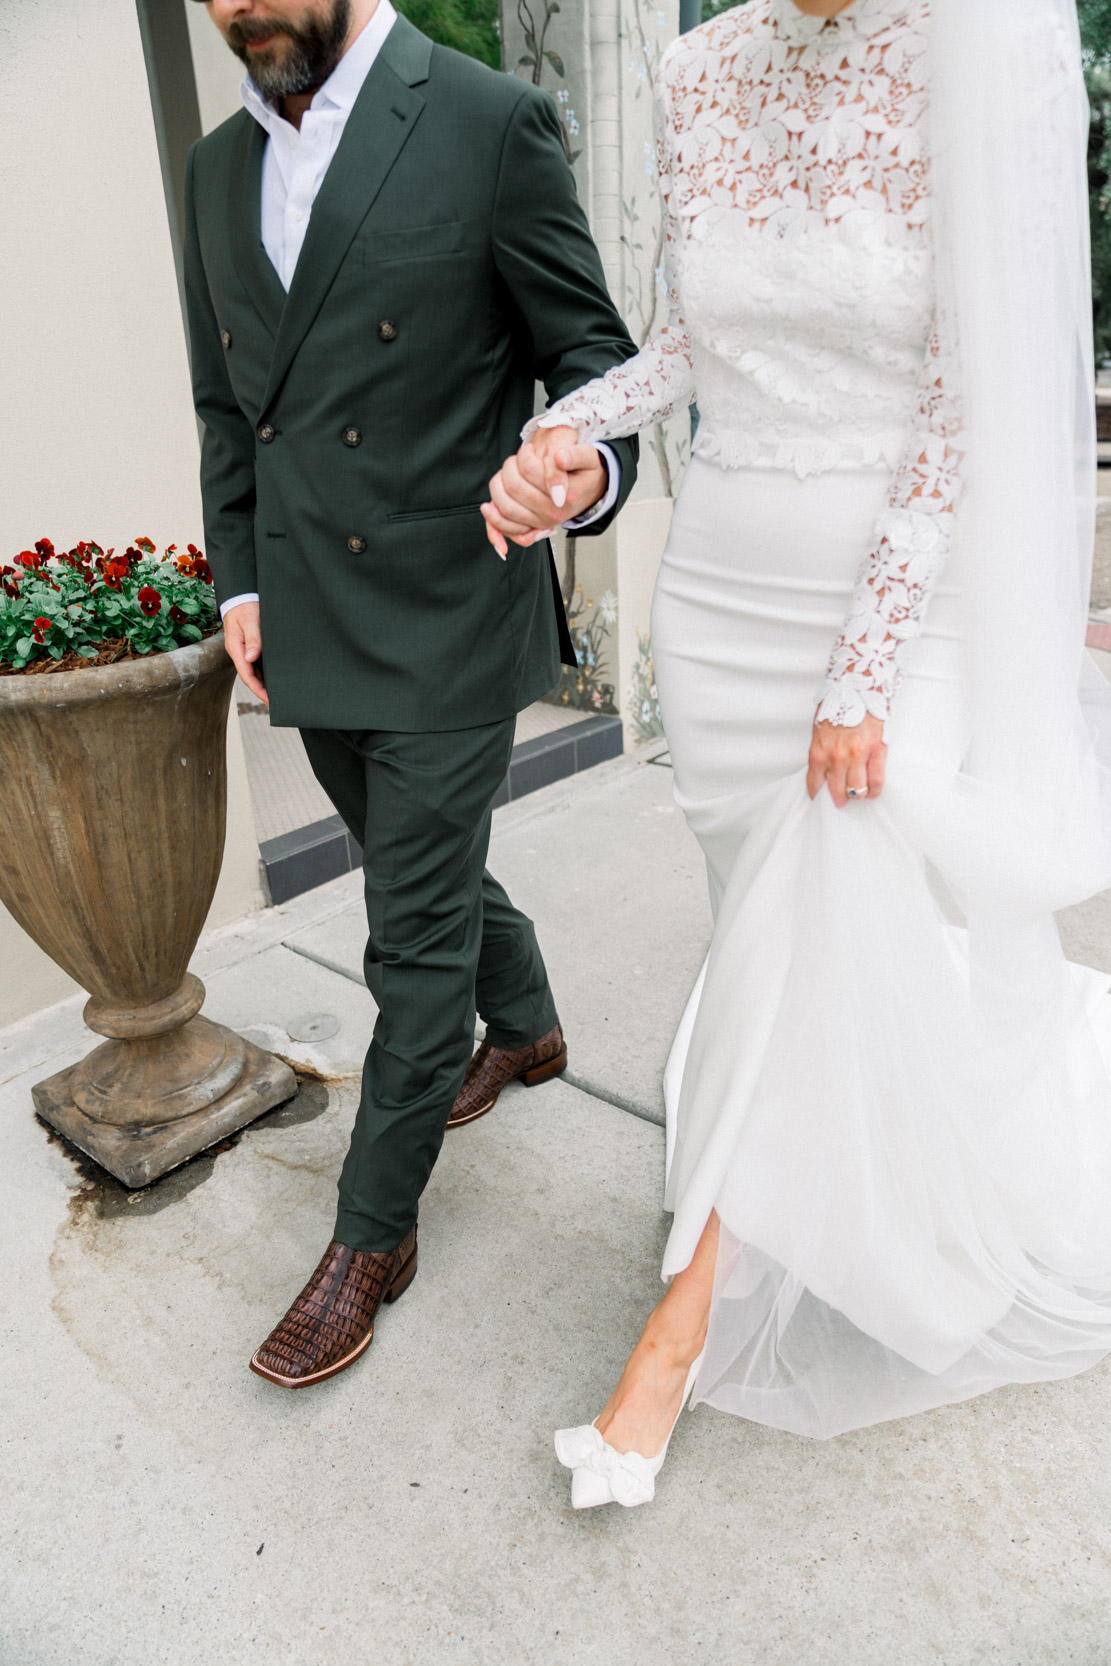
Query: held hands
point(851, 762)
point(552, 479)
point(243, 641)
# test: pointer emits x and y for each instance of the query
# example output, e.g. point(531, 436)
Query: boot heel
point(406, 1273)
point(542, 1072)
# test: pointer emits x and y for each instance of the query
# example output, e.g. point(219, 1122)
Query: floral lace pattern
point(793, 157)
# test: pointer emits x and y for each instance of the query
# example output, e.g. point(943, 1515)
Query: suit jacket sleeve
point(228, 442)
point(551, 267)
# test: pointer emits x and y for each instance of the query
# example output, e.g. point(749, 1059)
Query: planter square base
point(138, 1155)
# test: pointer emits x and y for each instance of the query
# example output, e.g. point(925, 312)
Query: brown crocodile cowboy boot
point(332, 1321)
point(492, 1068)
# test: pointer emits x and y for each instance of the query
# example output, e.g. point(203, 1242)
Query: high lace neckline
point(863, 18)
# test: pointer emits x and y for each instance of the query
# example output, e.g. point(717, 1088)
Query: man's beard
point(315, 49)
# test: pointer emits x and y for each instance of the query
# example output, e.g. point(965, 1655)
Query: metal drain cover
point(312, 1026)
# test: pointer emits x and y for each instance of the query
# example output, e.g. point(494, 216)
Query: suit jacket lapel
point(381, 120)
point(254, 265)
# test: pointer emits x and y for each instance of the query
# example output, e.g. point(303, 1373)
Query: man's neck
point(293, 106)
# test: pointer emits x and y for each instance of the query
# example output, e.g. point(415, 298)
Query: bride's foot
point(642, 1409)
point(616, 1458)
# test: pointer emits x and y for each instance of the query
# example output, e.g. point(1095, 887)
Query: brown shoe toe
point(493, 1068)
point(332, 1321)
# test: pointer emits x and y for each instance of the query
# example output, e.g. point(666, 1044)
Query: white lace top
point(794, 167)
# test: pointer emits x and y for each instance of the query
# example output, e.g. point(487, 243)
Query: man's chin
point(267, 55)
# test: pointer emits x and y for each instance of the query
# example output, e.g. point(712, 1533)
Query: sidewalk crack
point(322, 960)
point(585, 1085)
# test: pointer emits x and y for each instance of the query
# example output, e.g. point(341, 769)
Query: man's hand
point(243, 641)
point(851, 762)
point(551, 480)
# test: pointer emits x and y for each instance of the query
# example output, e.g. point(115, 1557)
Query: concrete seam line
point(269, 938)
point(41, 1063)
point(559, 795)
point(584, 1085)
point(328, 965)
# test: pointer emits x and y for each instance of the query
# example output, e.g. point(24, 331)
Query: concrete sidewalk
point(162, 1505)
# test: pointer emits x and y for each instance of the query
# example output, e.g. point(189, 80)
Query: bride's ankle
point(675, 1346)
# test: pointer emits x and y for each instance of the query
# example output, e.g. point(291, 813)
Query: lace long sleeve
point(913, 538)
point(660, 378)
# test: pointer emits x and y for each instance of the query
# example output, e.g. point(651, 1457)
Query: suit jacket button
point(225, 337)
point(356, 545)
point(352, 437)
point(266, 432)
point(387, 331)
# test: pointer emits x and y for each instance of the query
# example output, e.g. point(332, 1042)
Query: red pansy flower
point(145, 545)
point(44, 547)
point(115, 569)
point(41, 629)
point(150, 601)
point(204, 571)
point(178, 617)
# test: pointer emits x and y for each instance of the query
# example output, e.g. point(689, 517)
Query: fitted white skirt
point(912, 1171)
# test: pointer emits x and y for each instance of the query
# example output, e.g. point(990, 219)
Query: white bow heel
point(602, 1475)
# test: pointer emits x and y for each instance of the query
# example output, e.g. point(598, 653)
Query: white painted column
point(608, 51)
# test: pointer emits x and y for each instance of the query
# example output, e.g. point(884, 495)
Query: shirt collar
point(863, 18)
point(344, 84)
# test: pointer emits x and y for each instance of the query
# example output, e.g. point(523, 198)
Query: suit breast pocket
point(380, 245)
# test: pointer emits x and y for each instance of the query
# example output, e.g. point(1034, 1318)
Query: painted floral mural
point(598, 61)
point(585, 687)
point(643, 699)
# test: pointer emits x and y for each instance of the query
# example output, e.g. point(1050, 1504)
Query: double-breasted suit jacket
point(351, 426)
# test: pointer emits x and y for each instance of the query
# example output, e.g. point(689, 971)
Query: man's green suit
point(350, 430)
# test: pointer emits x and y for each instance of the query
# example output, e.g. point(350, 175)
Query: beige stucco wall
point(97, 434)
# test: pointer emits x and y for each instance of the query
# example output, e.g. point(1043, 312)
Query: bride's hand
point(850, 761)
point(552, 479)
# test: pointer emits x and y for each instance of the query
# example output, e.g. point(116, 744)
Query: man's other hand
point(243, 641)
point(552, 479)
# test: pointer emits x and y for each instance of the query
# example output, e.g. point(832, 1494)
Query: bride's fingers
point(507, 523)
point(817, 770)
point(835, 779)
point(500, 527)
point(517, 500)
point(877, 770)
point(555, 477)
point(857, 776)
point(495, 537)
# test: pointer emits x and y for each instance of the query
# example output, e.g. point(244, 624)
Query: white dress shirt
point(293, 167)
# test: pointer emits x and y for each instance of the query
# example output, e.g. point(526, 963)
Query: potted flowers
point(114, 694)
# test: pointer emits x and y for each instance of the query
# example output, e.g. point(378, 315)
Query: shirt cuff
point(609, 497)
point(247, 596)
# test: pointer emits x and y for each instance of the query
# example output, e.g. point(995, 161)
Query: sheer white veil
point(1009, 123)
point(905, 1127)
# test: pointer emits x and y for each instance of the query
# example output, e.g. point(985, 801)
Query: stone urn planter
point(113, 797)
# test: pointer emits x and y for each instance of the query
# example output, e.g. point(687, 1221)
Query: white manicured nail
point(559, 496)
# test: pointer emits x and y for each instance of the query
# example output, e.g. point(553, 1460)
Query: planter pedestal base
point(137, 1154)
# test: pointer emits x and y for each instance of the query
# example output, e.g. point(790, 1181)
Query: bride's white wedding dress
point(915, 1194)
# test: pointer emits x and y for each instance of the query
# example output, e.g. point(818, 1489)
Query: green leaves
point(468, 26)
point(54, 604)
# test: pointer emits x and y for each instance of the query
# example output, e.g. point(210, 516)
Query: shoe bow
point(630, 1476)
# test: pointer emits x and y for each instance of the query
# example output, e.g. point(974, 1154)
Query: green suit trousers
point(444, 939)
